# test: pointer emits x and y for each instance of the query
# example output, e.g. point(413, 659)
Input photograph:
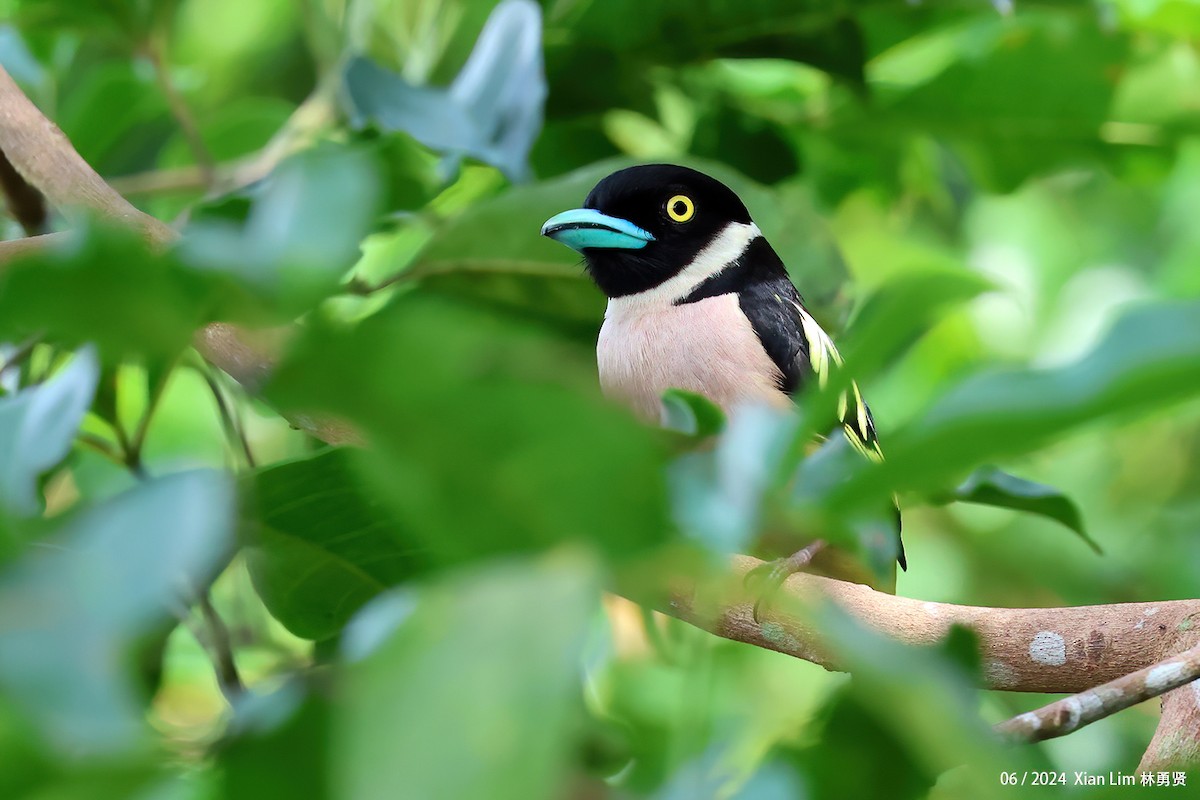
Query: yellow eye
point(680, 208)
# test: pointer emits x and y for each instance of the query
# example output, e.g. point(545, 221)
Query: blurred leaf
point(70, 611)
point(717, 494)
point(284, 727)
point(135, 117)
point(409, 174)
point(691, 413)
point(106, 287)
point(604, 55)
point(991, 486)
point(503, 444)
point(1150, 359)
point(505, 722)
point(132, 20)
point(295, 245)
point(913, 708)
point(1007, 135)
point(901, 311)
point(318, 546)
point(845, 761)
point(37, 427)
point(493, 109)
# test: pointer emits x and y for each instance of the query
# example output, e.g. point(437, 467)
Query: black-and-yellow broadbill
point(699, 300)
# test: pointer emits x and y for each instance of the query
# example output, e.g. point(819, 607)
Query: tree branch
point(24, 202)
point(1072, 713)
point(44, 157)
point(1067, 649)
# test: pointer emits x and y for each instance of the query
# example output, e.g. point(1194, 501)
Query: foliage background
point(972, 194)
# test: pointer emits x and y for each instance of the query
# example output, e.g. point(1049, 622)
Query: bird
point(699, 300)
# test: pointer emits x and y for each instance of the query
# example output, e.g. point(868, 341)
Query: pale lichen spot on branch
point(1048, 648)
point(1163, 674)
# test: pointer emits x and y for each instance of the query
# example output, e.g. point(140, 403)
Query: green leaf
point(284, 727)
point(609, 55)
point(134, 113)
point(501, 445)
point(295, 245)
point(991, 486)
point(691, 413)
point(429, 697)
point(1007, 134)
point(913, 707)
point(37, 427)
point(901, 311)
point(318, 545)
point(106, 287)
point(70, 612)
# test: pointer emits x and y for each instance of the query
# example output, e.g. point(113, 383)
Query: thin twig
point(228, 677)
point(22, 352)
point(229, 420)
point(101, 446)
point(155, 52)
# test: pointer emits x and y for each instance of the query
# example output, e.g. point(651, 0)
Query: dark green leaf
point(318, 545)
point(295, 245)
point(488, 435)
point(991, 486)
point(284, 727)
point(1150, 359)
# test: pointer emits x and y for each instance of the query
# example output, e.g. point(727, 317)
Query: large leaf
point(106, 287)
point(284, 727)
point(295, 245)
point(427, 699)
point(69, 612)
point(488, 435)
point(1150, 359)
point(37, 427)
point(318, 545)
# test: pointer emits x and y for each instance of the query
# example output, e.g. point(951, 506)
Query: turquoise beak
point(582, 228)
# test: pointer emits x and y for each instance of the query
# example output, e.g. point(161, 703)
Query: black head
point(642, 225)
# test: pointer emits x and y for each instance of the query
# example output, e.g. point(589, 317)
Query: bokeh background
point(989, 204)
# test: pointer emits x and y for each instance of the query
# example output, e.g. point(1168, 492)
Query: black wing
point(799, 346)
point(789, 334)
